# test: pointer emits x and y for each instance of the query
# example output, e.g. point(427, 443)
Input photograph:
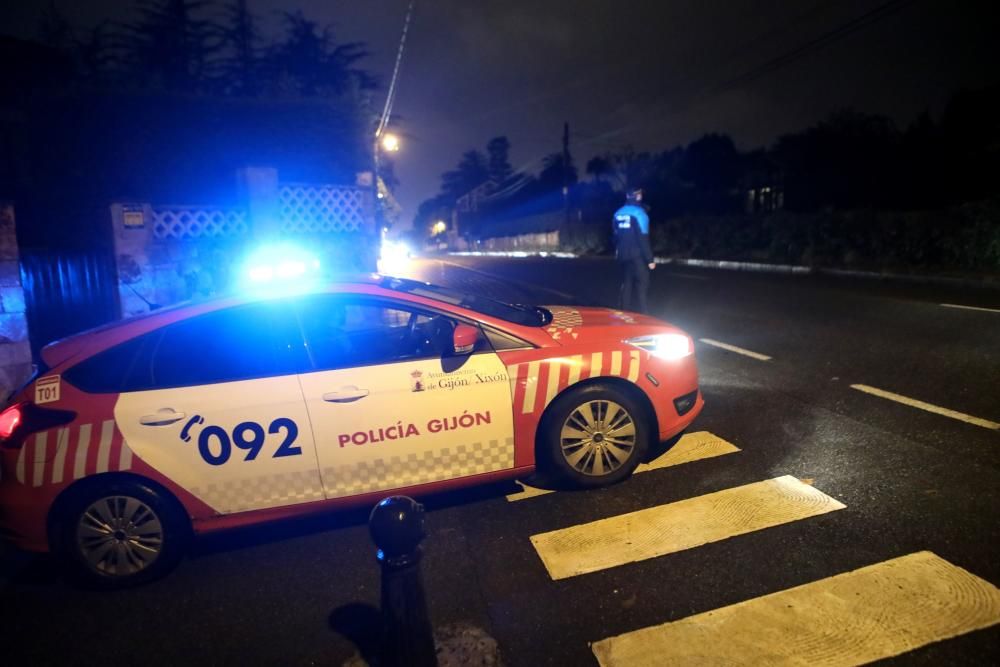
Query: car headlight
point(665, 346)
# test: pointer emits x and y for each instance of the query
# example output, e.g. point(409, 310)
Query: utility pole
point(565, 161)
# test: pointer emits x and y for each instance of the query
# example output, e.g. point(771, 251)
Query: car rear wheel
point(595, 435)
point(121, 534)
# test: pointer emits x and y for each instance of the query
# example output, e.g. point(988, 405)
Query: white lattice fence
point(322, 208)
point(190, 222)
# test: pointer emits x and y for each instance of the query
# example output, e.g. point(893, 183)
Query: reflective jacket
point(631, 225)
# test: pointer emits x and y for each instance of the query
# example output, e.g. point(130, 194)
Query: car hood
point(577, 324)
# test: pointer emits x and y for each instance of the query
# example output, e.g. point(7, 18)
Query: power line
point(840, 32)
point(852, 26)
point(391, 95)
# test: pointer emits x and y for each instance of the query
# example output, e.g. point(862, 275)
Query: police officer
point(633, 252)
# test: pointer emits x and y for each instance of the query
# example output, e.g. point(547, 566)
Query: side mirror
point(464, 338)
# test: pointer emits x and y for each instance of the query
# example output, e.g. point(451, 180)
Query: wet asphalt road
point(303, 592)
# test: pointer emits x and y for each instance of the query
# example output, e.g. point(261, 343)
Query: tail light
point(20, 420)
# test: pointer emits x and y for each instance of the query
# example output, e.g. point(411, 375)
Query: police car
point(240, 410)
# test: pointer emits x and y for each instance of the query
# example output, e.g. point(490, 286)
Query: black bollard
point(397, 528)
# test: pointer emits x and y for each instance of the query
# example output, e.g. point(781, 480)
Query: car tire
point(121, 534)
point(594, 436)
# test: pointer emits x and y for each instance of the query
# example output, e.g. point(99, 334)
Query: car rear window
point(106, 372)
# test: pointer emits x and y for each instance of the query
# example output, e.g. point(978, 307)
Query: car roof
point(63, 349)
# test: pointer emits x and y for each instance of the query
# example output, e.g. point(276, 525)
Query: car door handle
point(162, 418)
point(345, 395)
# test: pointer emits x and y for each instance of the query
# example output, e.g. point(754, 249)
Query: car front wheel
point(595, 435)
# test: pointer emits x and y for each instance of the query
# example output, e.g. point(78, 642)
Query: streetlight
point(439, 227)
point(390, 142)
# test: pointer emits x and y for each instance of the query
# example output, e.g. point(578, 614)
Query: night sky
point(647, 74)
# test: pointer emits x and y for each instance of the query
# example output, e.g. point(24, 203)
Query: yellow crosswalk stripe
point(691, 447)
point(857, 617)
point(677, 526)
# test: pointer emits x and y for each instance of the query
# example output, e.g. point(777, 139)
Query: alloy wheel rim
point(597, 438)
point(119, 536)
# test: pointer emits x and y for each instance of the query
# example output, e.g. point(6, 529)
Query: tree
point(54, 30)
point(308, 62)
point(846, 161)
point(500, 170)
point(599, 167)
point(430, 211)
point(241, 66)
point(711, 163)
point(169, 44)
point(95, 53)
point(471, 172)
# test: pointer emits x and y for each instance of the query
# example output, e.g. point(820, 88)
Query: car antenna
point(152, 306)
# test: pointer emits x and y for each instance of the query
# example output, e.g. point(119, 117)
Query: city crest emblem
point(417, 383)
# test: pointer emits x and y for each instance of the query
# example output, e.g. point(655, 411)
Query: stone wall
point(15, 351)
point(169, 254)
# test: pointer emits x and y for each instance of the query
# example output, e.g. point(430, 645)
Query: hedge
point(965, 238)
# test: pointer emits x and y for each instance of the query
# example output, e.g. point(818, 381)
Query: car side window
point(502, 341)
point(343, 332)
point(238, 343)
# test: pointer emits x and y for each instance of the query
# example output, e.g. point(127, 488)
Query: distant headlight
point(665, 346)
point(394, 257)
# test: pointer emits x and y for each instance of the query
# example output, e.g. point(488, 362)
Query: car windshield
point(525, 315)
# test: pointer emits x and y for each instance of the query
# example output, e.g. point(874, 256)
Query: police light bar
point(280, 265)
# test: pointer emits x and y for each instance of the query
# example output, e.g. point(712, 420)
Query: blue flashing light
point(280, 266)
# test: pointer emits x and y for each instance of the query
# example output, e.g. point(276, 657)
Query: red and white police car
point(248, 409)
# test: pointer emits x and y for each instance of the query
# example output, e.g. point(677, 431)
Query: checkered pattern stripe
point(436, 465)
point(260, 492)
point(565, 318)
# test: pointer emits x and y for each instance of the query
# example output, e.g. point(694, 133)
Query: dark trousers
point(635, 286)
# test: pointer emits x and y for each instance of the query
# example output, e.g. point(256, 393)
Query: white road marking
point(854, 618)
point(527, 491)
point(737, 350)
point(658, 531)
point(691, 447)
point(914, 403)
point(955, 305)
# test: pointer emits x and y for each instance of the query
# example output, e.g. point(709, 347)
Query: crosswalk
point(692, 447)
point(875, 612)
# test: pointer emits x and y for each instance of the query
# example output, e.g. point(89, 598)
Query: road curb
point(760, 267)
point(838, 273)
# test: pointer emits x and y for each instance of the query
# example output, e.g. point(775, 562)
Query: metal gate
point(67, 291)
